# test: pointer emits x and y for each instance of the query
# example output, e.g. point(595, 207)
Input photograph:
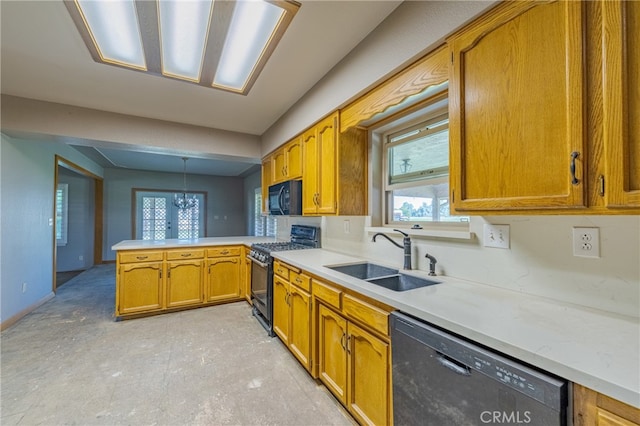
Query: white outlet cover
point(496, 236)
point(586, 242)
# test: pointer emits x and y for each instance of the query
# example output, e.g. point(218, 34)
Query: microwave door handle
point(281, 200)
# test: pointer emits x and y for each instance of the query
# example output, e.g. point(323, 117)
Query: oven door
point(261, 288)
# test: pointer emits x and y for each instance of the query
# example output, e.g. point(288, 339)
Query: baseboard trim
point(17, 317)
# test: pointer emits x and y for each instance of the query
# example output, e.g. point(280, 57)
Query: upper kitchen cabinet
point(516, 109)
point(334, 169)
point(286, 162)
point(621, 103)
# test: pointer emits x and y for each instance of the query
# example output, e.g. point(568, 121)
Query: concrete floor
point(69, 362)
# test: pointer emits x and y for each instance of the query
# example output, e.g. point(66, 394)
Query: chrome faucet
point(406, 240)
point(432, 264)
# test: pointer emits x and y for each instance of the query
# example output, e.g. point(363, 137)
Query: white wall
point(26, 228)
point(226, 215)
point(539, 262)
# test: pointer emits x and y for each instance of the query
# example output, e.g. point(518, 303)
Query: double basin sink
point(383, 276)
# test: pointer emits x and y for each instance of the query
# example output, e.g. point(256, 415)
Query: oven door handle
point(264, 265)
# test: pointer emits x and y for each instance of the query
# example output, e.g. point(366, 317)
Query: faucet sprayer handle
point(403, 233)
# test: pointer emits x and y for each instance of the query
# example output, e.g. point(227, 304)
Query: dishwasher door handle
point(453, 366)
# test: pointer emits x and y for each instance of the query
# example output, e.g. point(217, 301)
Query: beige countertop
point(597, 349)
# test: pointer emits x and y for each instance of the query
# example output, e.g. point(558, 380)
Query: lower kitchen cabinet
point(152, 282)
point(332, 352)
point(354, 365)
point(593, 408)
point(184, 283)
point(353, 359)
point(281, 308)
point(223, 274)
point(140, 288)
point(292, 312)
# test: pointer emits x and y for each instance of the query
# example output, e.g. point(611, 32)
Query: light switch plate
point(496, 236)
point(586, 242)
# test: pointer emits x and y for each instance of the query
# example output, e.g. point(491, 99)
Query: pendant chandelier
point(180, 200)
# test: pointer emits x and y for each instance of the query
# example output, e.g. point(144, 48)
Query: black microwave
point(286, 198)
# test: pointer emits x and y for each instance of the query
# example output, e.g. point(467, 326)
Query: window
point(62, 207)
point(263, 226)
point(416, 172)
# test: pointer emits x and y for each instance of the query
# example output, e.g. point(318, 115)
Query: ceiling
point(43, 57)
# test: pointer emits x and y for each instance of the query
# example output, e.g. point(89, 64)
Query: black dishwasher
point(440, 379)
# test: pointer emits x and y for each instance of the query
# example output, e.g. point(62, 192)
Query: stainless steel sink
point(364, 270)
point(384, 277)
point(402, 282)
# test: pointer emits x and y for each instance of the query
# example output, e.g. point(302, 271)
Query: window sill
point(453, 234)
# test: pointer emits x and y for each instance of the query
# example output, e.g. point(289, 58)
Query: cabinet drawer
point(367, 314)
point(185, 254)
point(300, 280)
point(140, 256)
point(328, 294)
point(223, 251)
point(281, 269)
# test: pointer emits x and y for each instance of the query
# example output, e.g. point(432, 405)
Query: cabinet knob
point(141, 257)
point(185, 254)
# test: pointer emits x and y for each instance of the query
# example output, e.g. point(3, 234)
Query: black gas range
point(302, 237)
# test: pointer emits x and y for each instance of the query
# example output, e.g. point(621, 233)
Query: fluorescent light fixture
point(252, 26)
point(184, 26)
point(223, 44)
point(113, 26)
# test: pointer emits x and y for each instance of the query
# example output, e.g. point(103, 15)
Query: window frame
point(417, 179)
point(63, 224)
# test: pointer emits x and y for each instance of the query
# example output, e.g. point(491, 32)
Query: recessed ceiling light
point(220, 44)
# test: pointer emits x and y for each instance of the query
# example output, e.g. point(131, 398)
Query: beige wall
point(20, 115)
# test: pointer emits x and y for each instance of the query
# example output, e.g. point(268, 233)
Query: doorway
point(157, 218)
point(78, 219)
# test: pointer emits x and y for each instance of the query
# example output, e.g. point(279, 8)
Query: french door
point(158, 219)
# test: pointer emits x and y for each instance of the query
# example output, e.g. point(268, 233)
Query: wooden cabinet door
point(516, 109)
point(279, 166)
point(267, 180)
point(310, 172)
point(369, 378)
point(245, 290)
point(327, 145)
point(332, 354)
point(300, 325)
point(140, 288)
point(293, 152)
point(621, 101)
point(281, 308)
point(185, 283)
point(223, 279)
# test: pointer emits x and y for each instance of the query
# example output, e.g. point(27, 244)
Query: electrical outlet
point(496, 236)
point(24, 287)
point(586, 242)
point(346, 226)
point(81, 257)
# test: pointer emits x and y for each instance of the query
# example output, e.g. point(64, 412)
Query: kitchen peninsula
point(154, 277)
